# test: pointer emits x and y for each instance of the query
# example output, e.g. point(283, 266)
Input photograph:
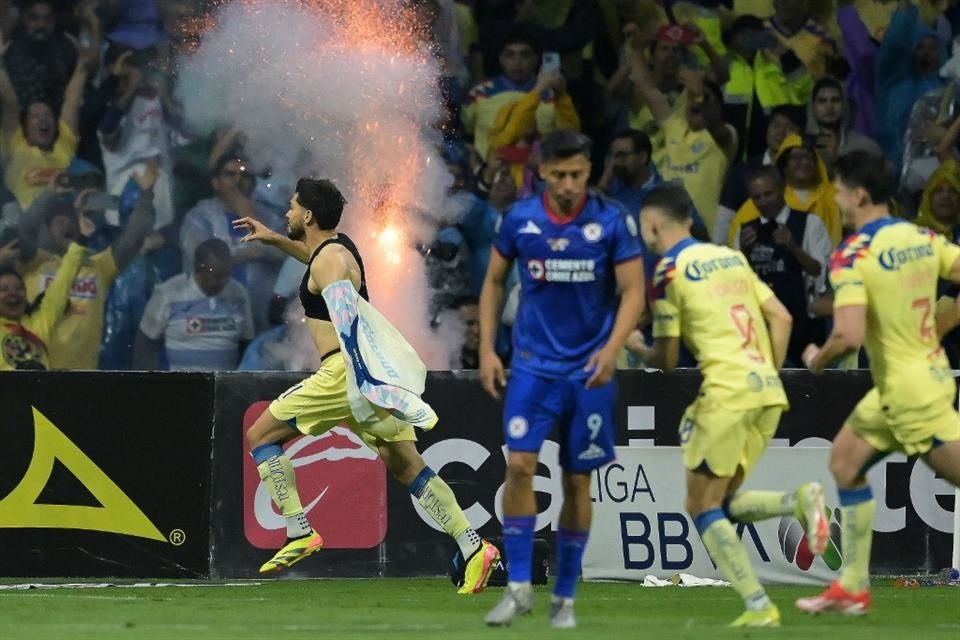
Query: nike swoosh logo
point(310, 506)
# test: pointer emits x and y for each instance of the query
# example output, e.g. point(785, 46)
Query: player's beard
point(295, 232)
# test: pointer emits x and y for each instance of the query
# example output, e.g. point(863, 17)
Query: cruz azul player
point(581, 295)
point(738, 331)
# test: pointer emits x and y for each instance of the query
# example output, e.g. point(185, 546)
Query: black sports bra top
point(314, 306)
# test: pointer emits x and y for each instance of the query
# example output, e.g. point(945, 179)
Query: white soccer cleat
point(812, 509)
point(561, 613)
point(516, 601)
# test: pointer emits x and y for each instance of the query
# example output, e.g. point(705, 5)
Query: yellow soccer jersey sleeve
point(891, 267)
point(709, 296)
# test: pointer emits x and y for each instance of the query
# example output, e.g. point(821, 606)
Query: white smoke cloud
point(345, 82)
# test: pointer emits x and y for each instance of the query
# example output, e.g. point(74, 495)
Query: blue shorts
point(535, 405)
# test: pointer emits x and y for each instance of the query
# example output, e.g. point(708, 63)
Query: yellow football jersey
point(708, 295)
point(892, 267)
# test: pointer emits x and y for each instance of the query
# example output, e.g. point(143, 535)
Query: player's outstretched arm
point(849, 327)
point(779, 324)
point(492, 374)
point(256, 230)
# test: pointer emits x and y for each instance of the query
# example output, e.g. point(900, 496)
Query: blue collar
point(675, 250)
point(872, 227)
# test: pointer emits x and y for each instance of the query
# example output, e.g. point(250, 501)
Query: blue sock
point(266, 451)
point(570, 546)
point(518, 543)
point(419, 484)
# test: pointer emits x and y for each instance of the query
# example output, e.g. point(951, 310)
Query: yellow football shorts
point(319, 403)
point(725, 439)
point(912, 430)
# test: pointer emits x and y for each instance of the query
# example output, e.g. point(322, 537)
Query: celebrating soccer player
point(581, 296)
point(738, 331)
point(885, 278)
point(321, 402)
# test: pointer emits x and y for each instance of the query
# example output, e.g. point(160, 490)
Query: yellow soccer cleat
point(479, 567)
point(769, 617)
point(294, 551)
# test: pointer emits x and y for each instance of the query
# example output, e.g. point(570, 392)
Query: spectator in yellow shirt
point(35, 142)
point(520, 59)
point(699, 146)
point(76, 342)
point(25, 329)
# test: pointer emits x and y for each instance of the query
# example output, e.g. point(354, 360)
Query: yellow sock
point(277, 474)
point(437, 499)
point(751, 506)
point(720, 539)
point(856, 526)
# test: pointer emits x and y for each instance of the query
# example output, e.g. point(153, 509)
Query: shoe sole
point(491, 557)
point(819, 533)
point(853, 609)
point(522, 612)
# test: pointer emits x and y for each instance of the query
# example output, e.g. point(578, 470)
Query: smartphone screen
point(550, 63)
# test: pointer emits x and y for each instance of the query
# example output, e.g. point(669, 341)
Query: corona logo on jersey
point(892, 259)
point(342, 485)
point(117, 513)
point(699, 270)
point(793, 543)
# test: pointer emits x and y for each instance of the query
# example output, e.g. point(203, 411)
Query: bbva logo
point(117, 513)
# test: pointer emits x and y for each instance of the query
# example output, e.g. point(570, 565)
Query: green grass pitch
point(428, 608)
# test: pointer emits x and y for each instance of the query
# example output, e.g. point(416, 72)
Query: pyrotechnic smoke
point(352, 83)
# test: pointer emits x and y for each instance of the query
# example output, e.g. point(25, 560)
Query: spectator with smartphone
point(808, 188)
point(782, 121)
point(829, 123)
point(789, 250)
point(520, 59)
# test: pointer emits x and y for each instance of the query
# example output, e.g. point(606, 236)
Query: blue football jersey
point(569, 297)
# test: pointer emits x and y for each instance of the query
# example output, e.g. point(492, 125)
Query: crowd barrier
point(147, 475)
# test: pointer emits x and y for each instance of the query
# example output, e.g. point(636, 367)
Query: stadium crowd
point(746, 103)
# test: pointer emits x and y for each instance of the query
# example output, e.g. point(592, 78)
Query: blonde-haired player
point(885, 278)
point(738, 331)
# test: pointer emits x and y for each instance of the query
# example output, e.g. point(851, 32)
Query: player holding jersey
point(885, 281)
point(581, 295)
point(738, 331)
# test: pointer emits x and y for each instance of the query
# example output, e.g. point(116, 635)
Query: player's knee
point(845, 470)
point(520, 471)
point(267, 430)
point(576, 485)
